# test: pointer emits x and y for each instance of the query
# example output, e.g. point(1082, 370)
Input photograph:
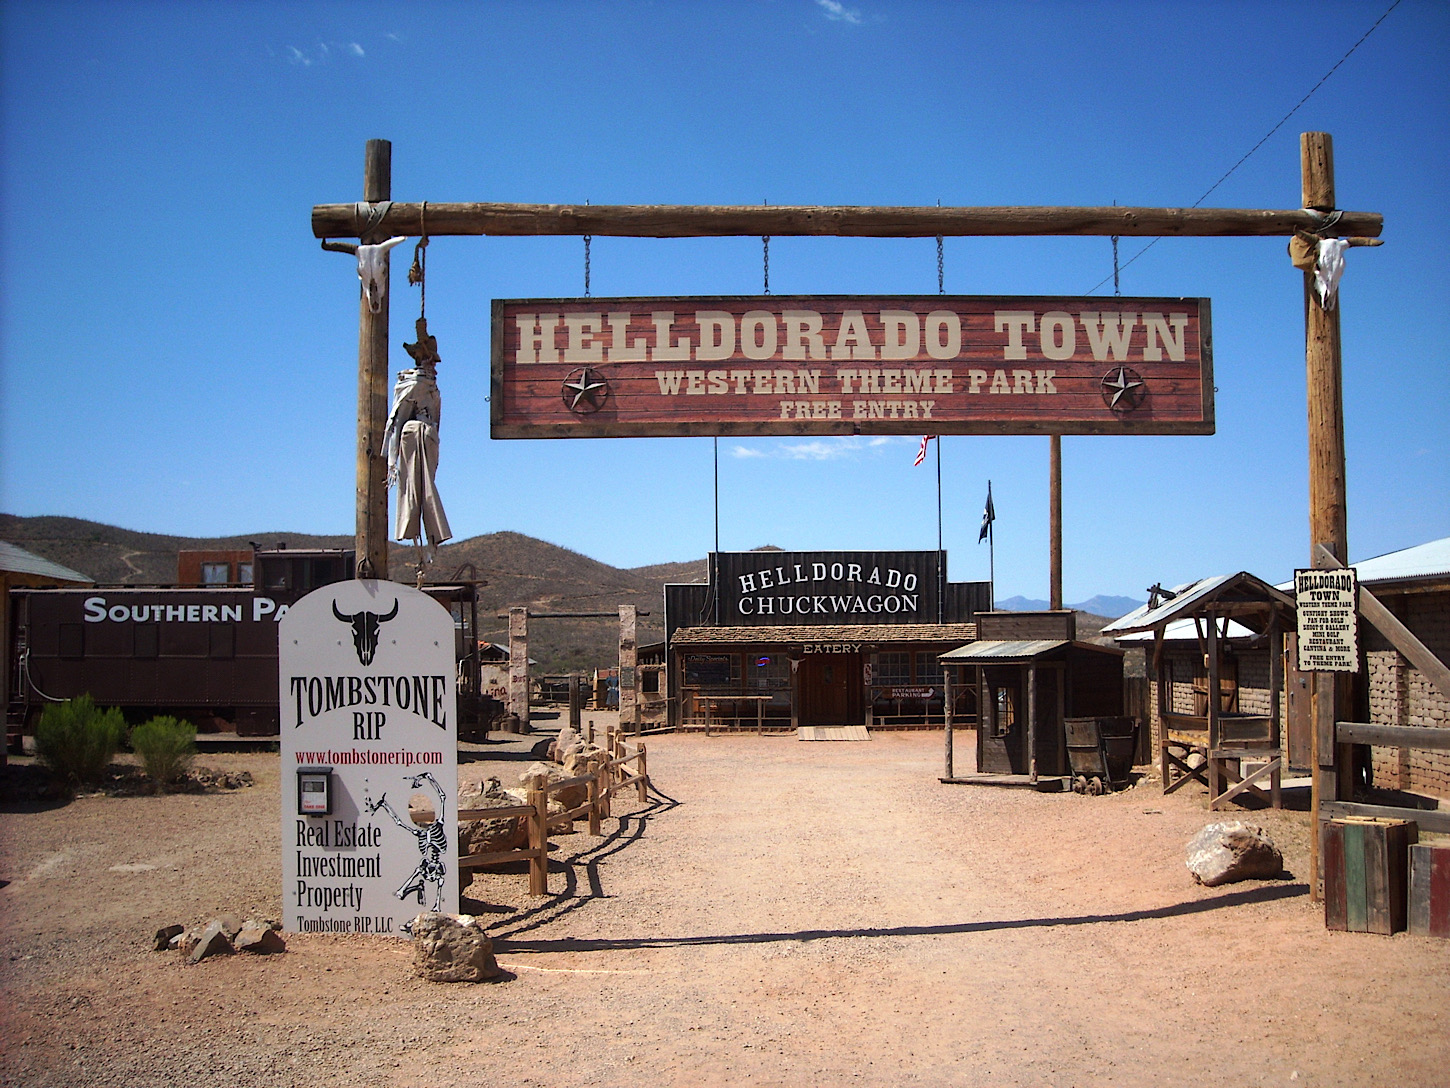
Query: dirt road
point(781, 913)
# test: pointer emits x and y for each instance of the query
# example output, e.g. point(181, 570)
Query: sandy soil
point(780, 913)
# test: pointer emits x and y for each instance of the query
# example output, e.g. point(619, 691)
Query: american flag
point(921, 453)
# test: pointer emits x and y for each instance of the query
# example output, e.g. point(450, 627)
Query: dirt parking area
point(779, 913)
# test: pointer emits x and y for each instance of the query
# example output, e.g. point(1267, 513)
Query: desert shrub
point(76, 739)
point(165, 746)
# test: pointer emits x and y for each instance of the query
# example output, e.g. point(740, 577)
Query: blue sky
point(178, 355)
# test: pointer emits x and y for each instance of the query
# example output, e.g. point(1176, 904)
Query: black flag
point(989, 515)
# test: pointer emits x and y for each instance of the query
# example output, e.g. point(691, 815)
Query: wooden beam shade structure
point(707, 221)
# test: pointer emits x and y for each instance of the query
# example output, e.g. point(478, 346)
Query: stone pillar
point(628, 680)
point(519, 665)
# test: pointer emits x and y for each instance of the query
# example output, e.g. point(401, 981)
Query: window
point(244, 574)
point(928, 669)
point(768, 672)
point(216, 574)
point(711, 670)
point(1006, 714)
point(892, 670)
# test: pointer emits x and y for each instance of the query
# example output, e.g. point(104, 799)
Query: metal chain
point(940, 266)
point(419, 272)
point(1117, 290)
point(588, 238)
point(765, 252)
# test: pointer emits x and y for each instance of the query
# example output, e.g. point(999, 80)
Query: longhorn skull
point(365, 627)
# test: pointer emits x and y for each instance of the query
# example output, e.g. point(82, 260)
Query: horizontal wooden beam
point(703, 221)
point(1393, 736)
point(1429, 819)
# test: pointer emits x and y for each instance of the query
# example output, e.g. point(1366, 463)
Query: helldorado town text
point(832, 365)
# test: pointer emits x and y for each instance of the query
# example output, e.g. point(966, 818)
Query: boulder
point(570, 797)
point(449, 948)
point(491, 836)
point(566, 739)
point(212, 941)
point(258, 938)
point(1227, 852)
point(576, 760)
point(166, 935)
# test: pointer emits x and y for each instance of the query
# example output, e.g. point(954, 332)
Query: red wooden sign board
point(814, 365)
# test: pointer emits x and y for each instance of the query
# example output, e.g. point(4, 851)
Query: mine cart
point(1100, 753)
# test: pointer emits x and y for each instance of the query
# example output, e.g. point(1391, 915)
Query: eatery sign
point(843, 365)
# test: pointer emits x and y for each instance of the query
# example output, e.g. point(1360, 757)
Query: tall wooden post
point(1054, 487)
point(372, 388)
point(1328, 517)
point(519, 665)
point(628, 662)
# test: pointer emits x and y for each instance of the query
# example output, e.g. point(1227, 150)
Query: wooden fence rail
point(1425, 737)
point(608, 774)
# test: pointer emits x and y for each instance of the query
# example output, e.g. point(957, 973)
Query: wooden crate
point(1366, 863)
point(1430, 889)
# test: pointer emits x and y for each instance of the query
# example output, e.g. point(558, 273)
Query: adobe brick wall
point(1399, 694)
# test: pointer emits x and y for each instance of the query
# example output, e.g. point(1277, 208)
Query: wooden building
point(1033, 674)
point(780, 640)
point(1218, 720)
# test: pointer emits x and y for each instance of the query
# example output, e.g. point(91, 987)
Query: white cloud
point(838, 12)
point(355, 49)
point(296, 56)
point(821, 449)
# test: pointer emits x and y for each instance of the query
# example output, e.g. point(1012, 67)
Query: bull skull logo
point(365, 626)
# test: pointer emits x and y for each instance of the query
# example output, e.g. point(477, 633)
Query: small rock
point(166, 935)
point(212, 942)
point(1227, 852)
point(231, 925)
point(259, 939)
point(448, 949)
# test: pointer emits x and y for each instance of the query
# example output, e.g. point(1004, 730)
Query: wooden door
point(825, 688)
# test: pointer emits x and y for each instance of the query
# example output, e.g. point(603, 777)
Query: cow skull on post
point(365, 627)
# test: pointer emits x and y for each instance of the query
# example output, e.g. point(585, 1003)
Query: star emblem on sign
point(1123, 389)
point(585, 391)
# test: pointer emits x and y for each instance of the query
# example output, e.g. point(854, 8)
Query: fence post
point(594, 795)
point(643, 783)
point(539, 836)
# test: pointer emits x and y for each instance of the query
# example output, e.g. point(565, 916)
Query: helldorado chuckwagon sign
point(369, 722)
point(782, 365)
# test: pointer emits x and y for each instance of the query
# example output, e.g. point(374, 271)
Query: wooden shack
point(1216, 740)
point(1028, 687)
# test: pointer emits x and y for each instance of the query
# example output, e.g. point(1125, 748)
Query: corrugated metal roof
point(1187, 597)
point(1428, 560)
point(993, 650)
point(20, 561)
point(881, 632)
point(1186, 631)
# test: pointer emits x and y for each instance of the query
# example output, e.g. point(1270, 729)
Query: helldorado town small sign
point(366, 686)
point(774, 364)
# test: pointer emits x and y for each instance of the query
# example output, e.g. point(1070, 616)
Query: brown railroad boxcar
point(205, 654)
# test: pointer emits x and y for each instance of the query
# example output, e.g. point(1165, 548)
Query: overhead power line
point(1267, 136)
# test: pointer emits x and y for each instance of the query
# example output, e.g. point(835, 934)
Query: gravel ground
point(779, 913)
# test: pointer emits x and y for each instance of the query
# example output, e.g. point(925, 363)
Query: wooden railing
point(608, 774)
point(1390, 736)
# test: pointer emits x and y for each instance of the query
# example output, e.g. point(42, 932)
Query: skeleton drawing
point(432, 842)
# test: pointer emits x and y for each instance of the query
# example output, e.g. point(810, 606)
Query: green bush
point(76, 739)
point(165, 746)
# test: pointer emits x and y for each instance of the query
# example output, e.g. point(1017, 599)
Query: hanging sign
point(804, 365)
point(1324, 601)
point(369, 751)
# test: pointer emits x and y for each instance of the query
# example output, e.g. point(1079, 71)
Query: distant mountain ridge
point(1101, 605)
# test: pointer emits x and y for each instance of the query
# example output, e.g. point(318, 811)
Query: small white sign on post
point(369, 750)
point(1325, 602)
